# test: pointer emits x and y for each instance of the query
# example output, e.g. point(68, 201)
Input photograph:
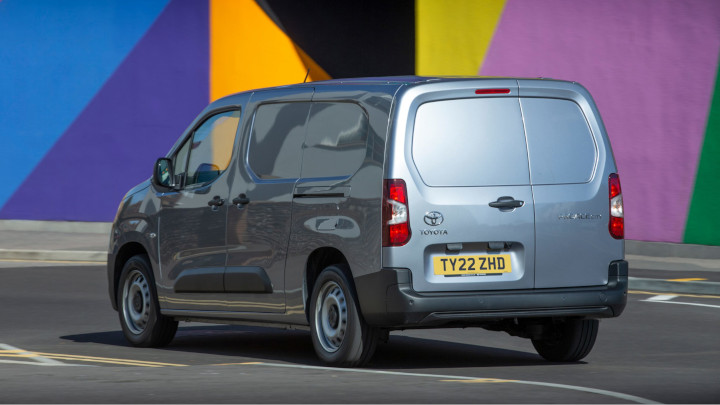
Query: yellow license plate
point(475, 264)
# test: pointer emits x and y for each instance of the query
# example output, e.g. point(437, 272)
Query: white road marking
point(684, 303)
point(619, 395)
point(37, 360)
point(661, 298)
point(614, 394)
point(31, 363)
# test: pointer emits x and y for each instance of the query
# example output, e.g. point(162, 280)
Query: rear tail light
point(617, 218)
point(395, 218)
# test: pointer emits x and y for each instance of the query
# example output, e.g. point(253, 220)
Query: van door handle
point(507, 203)
point(216, 201)
point(241, 200)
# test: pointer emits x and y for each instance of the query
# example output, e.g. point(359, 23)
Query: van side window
point(335, 144)
point(562, 148)
point(275, 150)
point(471, 142)
point(210, 148)
point(180, 162)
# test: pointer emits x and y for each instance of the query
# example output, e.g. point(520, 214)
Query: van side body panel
point(340, 211)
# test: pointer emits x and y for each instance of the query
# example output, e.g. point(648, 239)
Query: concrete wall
point(92, 92)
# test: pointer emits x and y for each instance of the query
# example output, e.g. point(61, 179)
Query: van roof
point(416, 79)
point(391, 81)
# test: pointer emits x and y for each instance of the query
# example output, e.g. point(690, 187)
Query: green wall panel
point(703, 223)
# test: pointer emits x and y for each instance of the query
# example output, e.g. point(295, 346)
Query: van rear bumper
point(387, 299)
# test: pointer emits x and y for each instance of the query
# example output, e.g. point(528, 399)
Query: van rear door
point(570, 161)
point(470, 204)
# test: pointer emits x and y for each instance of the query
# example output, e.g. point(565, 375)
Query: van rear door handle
point(507, 203)
point(241, 200)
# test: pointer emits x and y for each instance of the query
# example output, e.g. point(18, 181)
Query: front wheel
point(140, 318)
point(568, 341)
point(339, 334)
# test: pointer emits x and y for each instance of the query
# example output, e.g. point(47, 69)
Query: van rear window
point(470, 142)
point(562, 148)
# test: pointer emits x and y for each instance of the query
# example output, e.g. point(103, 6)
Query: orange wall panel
point(249, 51)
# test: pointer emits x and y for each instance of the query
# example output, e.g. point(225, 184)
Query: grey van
point(357, 207)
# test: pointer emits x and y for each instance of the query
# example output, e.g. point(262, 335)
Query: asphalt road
point(60, 342)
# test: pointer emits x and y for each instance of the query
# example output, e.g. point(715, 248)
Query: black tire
point(571, 340)
point(339, 334)
point(138, 308)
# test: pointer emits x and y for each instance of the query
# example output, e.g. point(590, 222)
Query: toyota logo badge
point(433, 218)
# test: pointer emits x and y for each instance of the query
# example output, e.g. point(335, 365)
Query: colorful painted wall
point(92, 92)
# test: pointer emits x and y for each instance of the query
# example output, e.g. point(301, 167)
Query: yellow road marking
point(678, 295)
point(17, 355)
point(11, 351)
point(109, 360)
point(687, 279)
point(60, 356)
point(122, 363)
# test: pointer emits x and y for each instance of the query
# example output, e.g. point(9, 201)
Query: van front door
point(191, 220)
point(258, 225)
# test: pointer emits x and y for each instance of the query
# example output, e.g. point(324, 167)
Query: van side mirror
point(163, 175)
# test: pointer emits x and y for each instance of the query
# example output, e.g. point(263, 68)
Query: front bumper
point(387, 299)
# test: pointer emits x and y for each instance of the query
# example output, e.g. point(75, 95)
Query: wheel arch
point(124, 254)
point(318, 260)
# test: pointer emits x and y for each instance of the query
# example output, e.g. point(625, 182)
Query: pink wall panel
point(650, 66)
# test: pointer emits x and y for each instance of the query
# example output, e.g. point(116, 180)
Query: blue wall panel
point(135, 118)
point(54, 57)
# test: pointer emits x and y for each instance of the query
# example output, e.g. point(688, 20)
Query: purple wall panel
point(650, 66)
point(135, 118)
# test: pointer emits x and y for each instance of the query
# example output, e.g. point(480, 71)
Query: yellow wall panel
point(248, 51)
point(452, 36)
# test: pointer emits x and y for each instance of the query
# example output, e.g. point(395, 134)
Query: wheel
point(138, 308)
point(339, 334)
point(571, 340)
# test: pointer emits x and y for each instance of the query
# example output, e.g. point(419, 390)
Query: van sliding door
point(258, 224)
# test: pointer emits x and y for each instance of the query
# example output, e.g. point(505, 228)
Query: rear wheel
point(571, 340)
point(339, 334)
point(138, 307)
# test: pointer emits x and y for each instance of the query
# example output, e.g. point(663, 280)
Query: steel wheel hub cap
point(136, 302)
point(331, 316)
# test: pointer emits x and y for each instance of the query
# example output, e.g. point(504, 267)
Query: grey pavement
point(54, 241)
point(654, 266)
